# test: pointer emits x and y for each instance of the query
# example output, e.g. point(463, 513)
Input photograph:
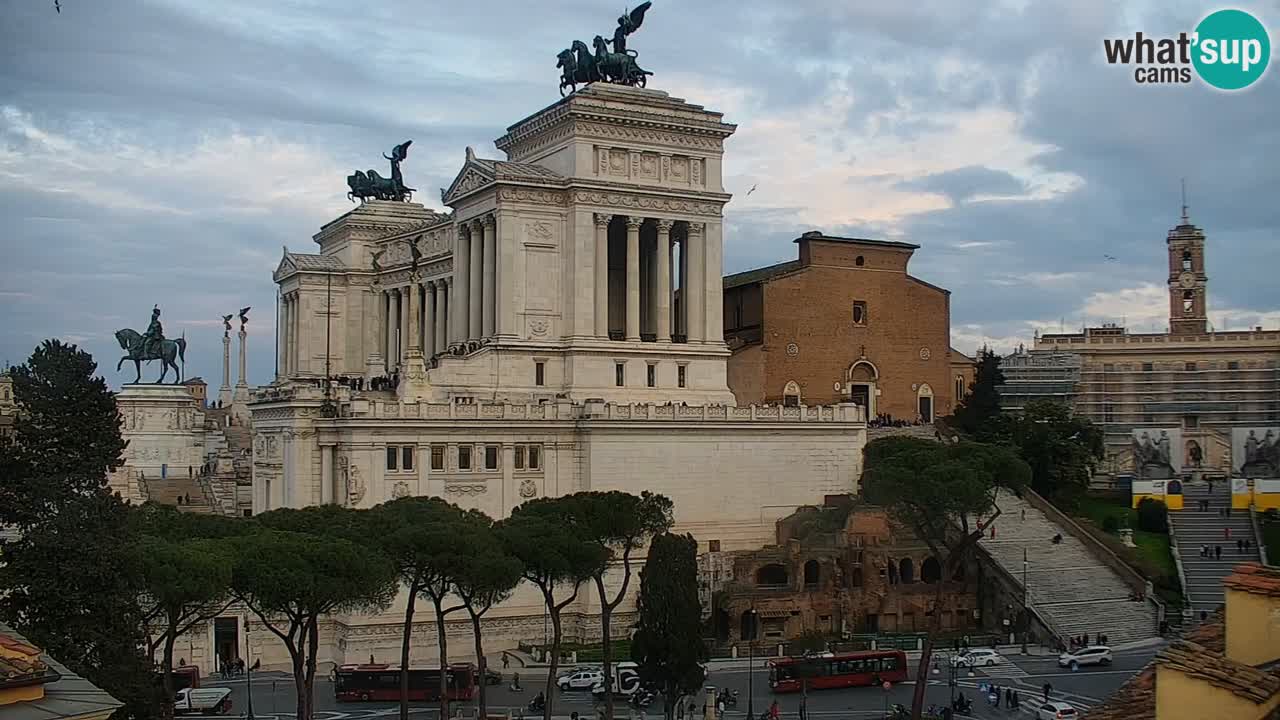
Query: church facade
point(558, 330)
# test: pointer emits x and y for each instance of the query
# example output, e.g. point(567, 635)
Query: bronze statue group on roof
point(612, 61)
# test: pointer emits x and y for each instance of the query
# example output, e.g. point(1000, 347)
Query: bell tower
point(1188, 312)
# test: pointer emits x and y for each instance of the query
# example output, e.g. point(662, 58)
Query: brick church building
point(844, 323)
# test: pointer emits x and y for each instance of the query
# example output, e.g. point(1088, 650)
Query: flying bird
point(1109, 257)
point(753, 189)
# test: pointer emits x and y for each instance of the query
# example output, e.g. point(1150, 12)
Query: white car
point(1092, 655)
point(580, 680)
point(1056, 711)
point(977, 657)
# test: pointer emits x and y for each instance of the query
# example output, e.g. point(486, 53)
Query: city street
point(274, 700)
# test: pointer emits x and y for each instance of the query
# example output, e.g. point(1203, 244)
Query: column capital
point(489, 221)
point(634, 221)
point(442, 282)
point(476, 225)
point(463, 231)
point(602, 220)
point(665, 225)
point(695, 229)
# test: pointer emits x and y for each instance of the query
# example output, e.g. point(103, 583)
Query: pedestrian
point(179, 501)
point(506, 661)
point(1024, 513)
point(1202, 550)
point(1048, 688)
point(995, 690)
point(1017, 699)
point(1226, 533)
point(1248, 545)
point(720, 709)
point(774, 710)
point(1239, 545)
point(1217, 552)
point(1008, 697)
point(1204, 615)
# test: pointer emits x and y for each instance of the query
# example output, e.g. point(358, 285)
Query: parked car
point(580, 680)
point(206, 701)
point(977, 657)
point(1092, 655)
point(1056, 710)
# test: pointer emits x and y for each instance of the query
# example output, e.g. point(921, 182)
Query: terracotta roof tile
point(1256, 579)
point(1220, 671)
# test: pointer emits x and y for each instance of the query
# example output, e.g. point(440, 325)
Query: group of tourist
point(1081, 641)
point(1215, 552)
point(1012, 699)
point(887, 420)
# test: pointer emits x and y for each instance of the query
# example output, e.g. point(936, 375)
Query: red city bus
point(381, 682)
point(828, 670)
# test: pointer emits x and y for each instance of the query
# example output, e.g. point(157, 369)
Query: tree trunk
point(299, 677)
point(606, 652)
point(444, 659)
point(166, 668)
point(555, 656)
point(926, 652)
point(313, 639)
point(481, 662)
point(404, 651)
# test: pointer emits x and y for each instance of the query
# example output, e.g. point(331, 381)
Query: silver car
point(1092, 655)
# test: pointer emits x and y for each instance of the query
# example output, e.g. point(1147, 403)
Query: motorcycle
point(538, 704)
point(962, 705)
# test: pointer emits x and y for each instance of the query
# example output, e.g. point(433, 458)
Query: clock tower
point(1188, 312)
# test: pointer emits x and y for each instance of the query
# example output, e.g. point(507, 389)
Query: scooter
point(963, 705)
point(538, 704)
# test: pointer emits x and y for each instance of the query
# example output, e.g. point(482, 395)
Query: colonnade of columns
point(652, 313)
point(415, 315)
point(292, 355)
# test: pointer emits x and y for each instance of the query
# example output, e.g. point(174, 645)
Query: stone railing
point(1045, 629)
point(1257, 534)
point(365, 407)
point(1134, 579)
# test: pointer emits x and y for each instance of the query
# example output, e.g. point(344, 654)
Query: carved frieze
point(646, 202)
point(466, 489)
point(637, 134)
point(532, 196)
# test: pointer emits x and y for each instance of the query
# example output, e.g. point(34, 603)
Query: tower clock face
point(1187, 280)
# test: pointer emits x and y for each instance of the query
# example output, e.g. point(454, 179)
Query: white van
point(202, 700)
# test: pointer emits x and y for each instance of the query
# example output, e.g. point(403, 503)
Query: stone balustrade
point(364, 407)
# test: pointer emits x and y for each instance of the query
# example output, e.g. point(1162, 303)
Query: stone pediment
point(474, 175)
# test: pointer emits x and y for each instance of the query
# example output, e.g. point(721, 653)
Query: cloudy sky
point(163, 151)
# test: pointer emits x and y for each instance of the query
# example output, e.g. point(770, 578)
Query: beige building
point(558, 330)
point(1193, 379)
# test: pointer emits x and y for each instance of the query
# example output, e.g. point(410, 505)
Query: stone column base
point(374, 367)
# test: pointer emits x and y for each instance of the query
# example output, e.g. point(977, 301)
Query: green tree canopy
point(667, 645)
point(558, 556)
point(982, 404)
point(290, 580)
point(1061, 448)
point(946, 494)
point(420, 536)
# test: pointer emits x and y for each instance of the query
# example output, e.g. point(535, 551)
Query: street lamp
point(248, 674)
point(1026, 615)
point(751, 666)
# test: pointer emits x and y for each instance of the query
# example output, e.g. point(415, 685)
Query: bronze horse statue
point(168, 352)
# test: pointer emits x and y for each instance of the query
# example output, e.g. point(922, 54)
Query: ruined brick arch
point(906, 571)
point(930, 570)
point(772, 574)
point(812, 573)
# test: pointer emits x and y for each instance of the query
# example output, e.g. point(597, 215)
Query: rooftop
point(1256, 579)
point(819, 235)
point(308, 261)
point(750, 277)
point(66, 695)
point(1199, 662)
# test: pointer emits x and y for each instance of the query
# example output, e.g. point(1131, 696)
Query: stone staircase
point(166, 491)
point(1194, 527)
point(1074, 591)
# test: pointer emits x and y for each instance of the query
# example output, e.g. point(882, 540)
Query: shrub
point(1153, 516)
point(1110, 524)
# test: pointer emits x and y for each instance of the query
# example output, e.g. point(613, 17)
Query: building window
point(1188, 301)
point(1108, 412)
point(1191, 366)
point(1191, 422)
point(490, 457)
point(713, 546)
point(464, 457)
point(651, 375)
point(791, 394)
point(518, 457)
point(392, 455)
point(1147, 367)
point(859, 261)
point(959, 388)
point(406, 458)
point(437, 457)
point(619, 374)
point(400, 457)
point(535, 457)
point(1108, 367)
point(859, 312)
point(681, 374)
point(247, 512)
point(539, 374)
point(1186, 259)
point(1233, 365)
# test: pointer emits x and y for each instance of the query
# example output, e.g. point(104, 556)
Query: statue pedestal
point(165, 431)
point(413, 381)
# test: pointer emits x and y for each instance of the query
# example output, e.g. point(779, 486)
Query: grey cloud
point(965, 183)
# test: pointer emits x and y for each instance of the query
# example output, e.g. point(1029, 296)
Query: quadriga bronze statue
point(372, 186)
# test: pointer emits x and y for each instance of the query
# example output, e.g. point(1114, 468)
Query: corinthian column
point(429, 320)
point(633, 278)
point(443, 307)
point(475, 301)
point(662, 301)
point(602, 276)
point(393, 330)
point(490, 287)
point(696, 297)
point(412, 317)
point(461, 285)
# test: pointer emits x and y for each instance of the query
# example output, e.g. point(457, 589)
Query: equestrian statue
point(152, 345)
point(578, 66)
point(372, 186)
